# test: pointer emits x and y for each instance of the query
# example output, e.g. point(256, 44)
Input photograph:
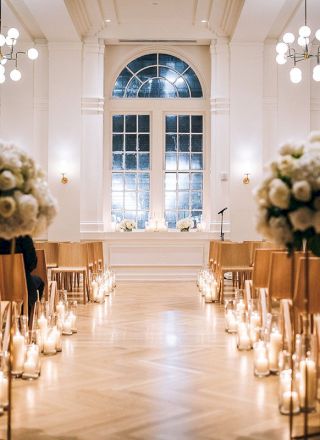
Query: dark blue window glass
point(157, 76)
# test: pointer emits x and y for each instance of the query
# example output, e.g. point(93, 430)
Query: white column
point(220, 126)
point(92, 182)
point(246, 134)
point(64, 137)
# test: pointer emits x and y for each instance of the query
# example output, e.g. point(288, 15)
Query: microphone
point(222, 211)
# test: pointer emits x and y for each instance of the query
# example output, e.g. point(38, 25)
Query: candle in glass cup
point(18, 353)
point(261, 362)
point(60, 310)
point(43, 326)
point(4, 402)
point(275, 346)
point(95, 288)
point(285, 402)
point(244, 342)
point(66, 329)
point(308, 384)
point(73, 319)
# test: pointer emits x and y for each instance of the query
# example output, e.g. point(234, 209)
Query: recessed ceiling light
point(108, 20)
point(204, 21)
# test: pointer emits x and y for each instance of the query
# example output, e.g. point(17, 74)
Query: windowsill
point(150, 235)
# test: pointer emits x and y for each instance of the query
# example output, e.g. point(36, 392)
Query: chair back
point(72, 255)
point(280, 276)
point(300, 292)
point(261, 267)
point(41, 270)
point(51, 251)
point(98, 254)
point(234, 255)
point(13, 286)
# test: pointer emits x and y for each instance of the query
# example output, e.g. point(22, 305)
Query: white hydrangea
point(301, 218)
point(302, 191)
point(279, 194)
point(7, 180)
point(185, 224)
point(127, 225)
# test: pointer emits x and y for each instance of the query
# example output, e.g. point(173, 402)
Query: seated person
point(24, 245)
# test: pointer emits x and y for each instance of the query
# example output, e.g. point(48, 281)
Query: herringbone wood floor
point(153, 362)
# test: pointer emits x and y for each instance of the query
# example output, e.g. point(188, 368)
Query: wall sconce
point(246, 179)
point(64, 179)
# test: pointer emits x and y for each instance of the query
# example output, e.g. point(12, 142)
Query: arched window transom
point(157, 75)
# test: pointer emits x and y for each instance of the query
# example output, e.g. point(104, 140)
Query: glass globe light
point(13, 33)
point(288, 38)
point(32, 53)
point(2, 40)
point(15, 75)
point(2, 79)
point(10, 41)
point(302, 41)
point(304, 31)
point(2, 70)
point(316, 72)
point(281, 59)
point(295, 75)
point(281, 48)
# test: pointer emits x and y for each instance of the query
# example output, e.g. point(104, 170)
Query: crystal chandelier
point(286, 50)
point(9, 53)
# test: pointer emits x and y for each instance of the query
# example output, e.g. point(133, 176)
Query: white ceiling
point(157, 20)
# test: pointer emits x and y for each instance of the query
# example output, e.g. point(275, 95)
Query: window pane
point(131, 161)
point(171, 142)
point(183, 180)
point(173, 62)
point(142, 217)
point(143, 142)
point(117, 182)
point(131, 123)
point(147, 74)
point(157, 88)
point(117, 162)
point(144, 181)
point(144, 61)
point(182, 88)
point(183, 214)
point(121, 82)
point(170, 200)
point(196, 200)
point(197, 216)
point(144, 163)
point(131, 142)
point(143, 200)
point(184, 162)
point(196, 124)
point(117, 123)
point(168, 74)
point(170, 181)
point(196, 161)
point(171, 161)
point(196, 142)
point(132, 88)
point(130, 181)
point(143, 123)
point(130, 200)
point(183, 200)
point(117, 200)
point(196, 181)
point(117, 142)
point(116, 216)
point(171, 124)
point(171, 219)
point(184, 142)
point(194, 84)
point(184, 124)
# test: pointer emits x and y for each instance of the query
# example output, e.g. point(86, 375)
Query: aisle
point(153, 362)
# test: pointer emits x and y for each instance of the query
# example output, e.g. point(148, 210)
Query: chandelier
point(9, 53)
point(286, 50)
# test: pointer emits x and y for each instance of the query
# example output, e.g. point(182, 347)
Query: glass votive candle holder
point(4, 381)
point(243, 338)
point(288, 395)
point(275, 347)
point(31, 367)
point(261, 361)
point(308, 384)
point(73, 316)
point(67, 325)
point(50, 342)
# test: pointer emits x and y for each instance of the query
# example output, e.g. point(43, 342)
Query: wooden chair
point(98, 254)
point(41, 270)
point(314, 284)
point(51, 251)
point(13, 286)
point(72, 264)
point(235, 258)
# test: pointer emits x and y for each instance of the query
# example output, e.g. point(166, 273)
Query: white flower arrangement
point(127, 225)
point(26, 204)
point(289, 198)
point(185, 224)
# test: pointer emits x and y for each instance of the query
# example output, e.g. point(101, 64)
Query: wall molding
point(220, 106)
point(315, 104)
point(92, 105)
point(41, 104)
point(91, 227)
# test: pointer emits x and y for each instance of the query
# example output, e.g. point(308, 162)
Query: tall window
point(169, 133)
point(130, 168)
point(183, 167)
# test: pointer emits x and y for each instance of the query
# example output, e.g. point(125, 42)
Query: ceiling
point(165, 21)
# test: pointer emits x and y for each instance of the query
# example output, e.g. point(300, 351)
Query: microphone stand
point(221, 228)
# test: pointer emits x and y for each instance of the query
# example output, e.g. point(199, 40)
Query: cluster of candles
point(44, 337)
point(102, 285)
point(207, 285)
point(156, 225)
point(267, 341)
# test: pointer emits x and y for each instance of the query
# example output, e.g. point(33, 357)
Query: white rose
point(279, 194)
point(7, 206)
point(316, 222)
point(28, 207)
point(302, 191)
point(301, 218)
point(7, 180)
point(286, 149)
point(280, 230)
point(286, 165)
point(11, 160)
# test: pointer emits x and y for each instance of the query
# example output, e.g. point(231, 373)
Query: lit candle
point(231, 322)
point(60, 310)
point(244, 342)
point(308, 376)
point(67, 327)
point(73, 319)
point(214, 291)
point(208, 293)
point(4, 403)
point(262, 365)
point(50, 342)
point(285, 404)
point(18, 353)
point(241, 307)
point(94, 286)
point(43, 327)
point(275, 347)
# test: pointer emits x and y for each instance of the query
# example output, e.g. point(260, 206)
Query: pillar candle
point(60, 310)
point(286, 402)
point(308, 376)
point(275, 347)
point(43, 327)
point(73, 319)
point(67, 327)
point(18, 353)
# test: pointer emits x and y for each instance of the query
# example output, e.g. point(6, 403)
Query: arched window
point(157, 75)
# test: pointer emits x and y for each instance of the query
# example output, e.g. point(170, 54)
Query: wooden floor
point(153, 362)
